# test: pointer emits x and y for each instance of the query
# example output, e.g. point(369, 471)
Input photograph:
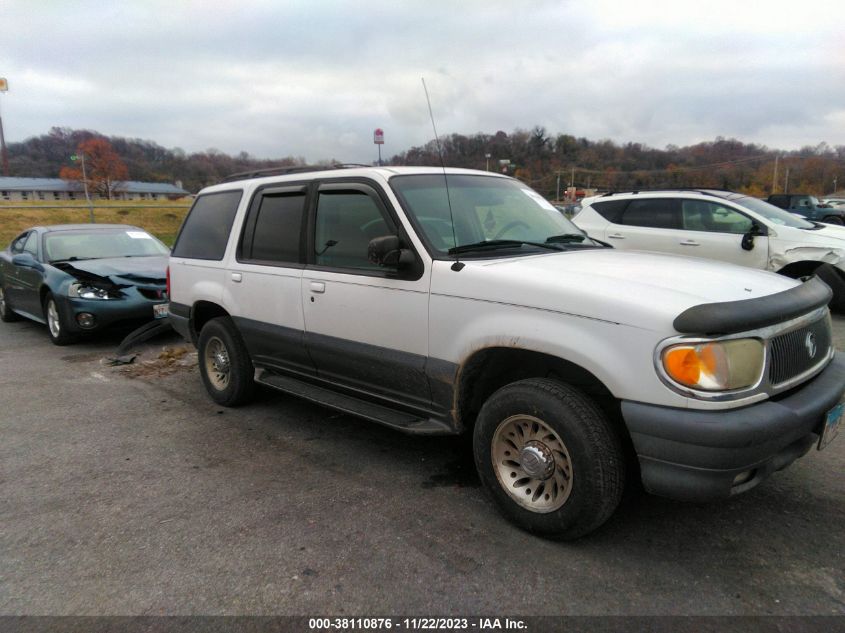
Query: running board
point(407, 422)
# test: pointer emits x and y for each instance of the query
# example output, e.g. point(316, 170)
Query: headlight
point(85, 291)
point(716, 365)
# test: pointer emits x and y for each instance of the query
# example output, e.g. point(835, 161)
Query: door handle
point(616, 236)
point(689, 243)
point(237, 277)
point(318, 287)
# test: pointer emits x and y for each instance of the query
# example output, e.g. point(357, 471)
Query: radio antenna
point(457, 266)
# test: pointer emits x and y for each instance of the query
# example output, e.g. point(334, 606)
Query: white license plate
point(831, 424)
point(160, 310)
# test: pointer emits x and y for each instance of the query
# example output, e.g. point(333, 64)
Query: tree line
point(549, 163)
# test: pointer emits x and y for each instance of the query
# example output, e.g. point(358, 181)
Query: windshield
point(774, 214)
point(487, 211)
point(100, 244)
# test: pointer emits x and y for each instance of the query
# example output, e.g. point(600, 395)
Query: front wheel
point(225, 366)
point(549, 458)
point(6, 313)
point(832, 219)
point(56, 324)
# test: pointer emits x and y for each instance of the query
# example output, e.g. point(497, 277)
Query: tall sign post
point(4, 87)
point(378, 139)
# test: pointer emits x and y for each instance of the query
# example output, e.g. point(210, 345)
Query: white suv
point(449, 301)
point(722, 225)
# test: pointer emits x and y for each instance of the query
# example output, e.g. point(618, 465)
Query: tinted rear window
point(277, 229)
point(657, 213)
point(206, 230)
point(610, 210)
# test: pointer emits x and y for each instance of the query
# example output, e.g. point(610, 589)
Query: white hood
point(646, 290)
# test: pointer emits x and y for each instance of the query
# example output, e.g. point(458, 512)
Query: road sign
point(4, 85)
point(378, 136)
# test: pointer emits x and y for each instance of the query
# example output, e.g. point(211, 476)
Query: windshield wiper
point(574, 238)
point(71, 259)
point(566, 238)
point(498, 244)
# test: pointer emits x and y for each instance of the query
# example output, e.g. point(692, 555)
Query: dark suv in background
point(808, 207)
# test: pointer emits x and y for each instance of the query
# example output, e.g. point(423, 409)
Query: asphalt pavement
point(126, 491)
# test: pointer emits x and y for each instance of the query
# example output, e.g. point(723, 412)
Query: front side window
point(18, 242)
point(699, 215)
point(346, 222)
point(206, 230)
point(31, 244)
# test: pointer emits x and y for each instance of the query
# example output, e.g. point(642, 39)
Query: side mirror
point(26, 260)
point(748, 239)
point(387, 251)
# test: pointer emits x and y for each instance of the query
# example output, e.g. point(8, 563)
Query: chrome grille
point(791, 352)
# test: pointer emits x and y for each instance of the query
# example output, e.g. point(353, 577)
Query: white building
point(56, 189)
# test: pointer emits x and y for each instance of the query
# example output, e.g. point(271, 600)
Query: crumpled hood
point(123, 270)
point(646, 290)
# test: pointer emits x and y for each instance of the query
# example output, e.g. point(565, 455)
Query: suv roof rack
point(284, 171)
point(705, 191)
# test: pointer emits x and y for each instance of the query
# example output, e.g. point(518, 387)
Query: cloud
point(315, 78)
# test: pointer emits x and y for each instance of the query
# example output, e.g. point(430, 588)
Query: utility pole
point(786, 182)
point(4, 87)
point(487, 162)
point(81, 156)
point(557, 196)
point(775, 176)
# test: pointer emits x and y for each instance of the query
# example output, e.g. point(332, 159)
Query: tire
point(225, 365)
point(56, 325)
point(6, 314)
point(568, 469)
point(832, 219)
point(836, 280)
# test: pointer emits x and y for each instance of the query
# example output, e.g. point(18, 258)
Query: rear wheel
point(832, 219)
point(549, 458)
point(225, 365)
point(56, 324)
point(6, 313)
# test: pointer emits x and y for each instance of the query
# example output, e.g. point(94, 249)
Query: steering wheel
point(510, 225)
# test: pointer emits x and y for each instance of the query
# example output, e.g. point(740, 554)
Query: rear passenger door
point(366, 326)
point(647, 224)
point(265, 278)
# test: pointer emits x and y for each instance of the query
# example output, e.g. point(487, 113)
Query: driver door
point(366, 327)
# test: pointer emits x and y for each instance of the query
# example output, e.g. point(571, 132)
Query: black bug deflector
point(748, 314)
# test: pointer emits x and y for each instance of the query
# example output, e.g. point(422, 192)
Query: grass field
point(162, 219)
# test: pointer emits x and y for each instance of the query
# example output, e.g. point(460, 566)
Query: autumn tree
point(104, 170)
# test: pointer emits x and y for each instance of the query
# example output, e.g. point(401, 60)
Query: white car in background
point(721, 225)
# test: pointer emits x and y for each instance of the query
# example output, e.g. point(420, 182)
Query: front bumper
point(696, 455)
point(106, 312)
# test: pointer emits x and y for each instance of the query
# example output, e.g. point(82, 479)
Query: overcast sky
point(314, 78)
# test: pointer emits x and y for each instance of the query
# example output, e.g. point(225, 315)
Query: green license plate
point(831, 424)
